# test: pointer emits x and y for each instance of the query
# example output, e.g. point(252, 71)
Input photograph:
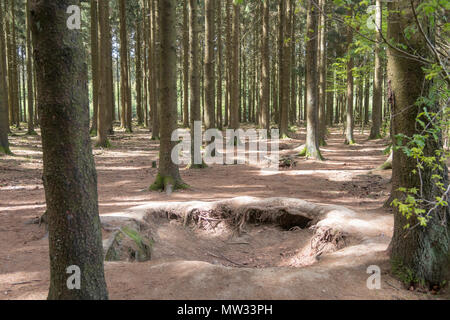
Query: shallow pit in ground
point(258, 246)
point(241, 232)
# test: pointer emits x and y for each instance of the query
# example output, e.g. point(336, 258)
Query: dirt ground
point(191, 264)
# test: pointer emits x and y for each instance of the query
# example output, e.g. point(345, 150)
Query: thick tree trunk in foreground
point(168, 174)
point(70, 179)
point(421, 252)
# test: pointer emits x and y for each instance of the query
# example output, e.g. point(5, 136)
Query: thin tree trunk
point(104, 107)
point(265, 68)
point(138, 45)
point(4, 115)
point(377, 79)
point(185, 64)
point(349, 121)
point(235, 83)
point(312, 130)
point(210, 108)
point(219, 118)
point(94, 63)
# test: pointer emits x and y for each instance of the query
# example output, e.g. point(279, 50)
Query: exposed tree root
point(388, 164)
point(326, 240)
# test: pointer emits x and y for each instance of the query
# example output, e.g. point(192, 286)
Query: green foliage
point(432, 123)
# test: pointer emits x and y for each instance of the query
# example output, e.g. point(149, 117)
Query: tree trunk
point(156, 67)
point(94, 63)
point(168, 174)
point(194, 84)
point(70, 179)
point(312, 131)
point(124, 69)
point(234, 102)
point(349, 121)
point(377, 79)
point(138, 46)
point(322, 70)
point(219, 116)
point(265, 68)
point(104, 98)
point(421, 252)
point(210, 108)
point(4, 116)
point(185, 64)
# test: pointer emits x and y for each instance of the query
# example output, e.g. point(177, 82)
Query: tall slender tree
point(210, 108)
point(94, 63)
point(312, 130)
point(4, 115)
point(104, 99)
point(235, 83)
point(349, 139)
point(377, 102)
point(168, 177)
point(124, 69)
point(265, 67)
point(185, 64)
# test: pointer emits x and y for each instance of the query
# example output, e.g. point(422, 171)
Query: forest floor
point(190, 264)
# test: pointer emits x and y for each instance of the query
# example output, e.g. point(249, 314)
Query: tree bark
point(4, 115)
point(94, 63)
point(104, 107)
point(210, 108)
point(70, 179)
point(124, 69)
point(322, 70)
point(312, 131)
point(422, 252)
point(377, 102)
point(168, 173)
point(349, 121)
point(185, 64)
point(235, 83)
point(265, 68)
